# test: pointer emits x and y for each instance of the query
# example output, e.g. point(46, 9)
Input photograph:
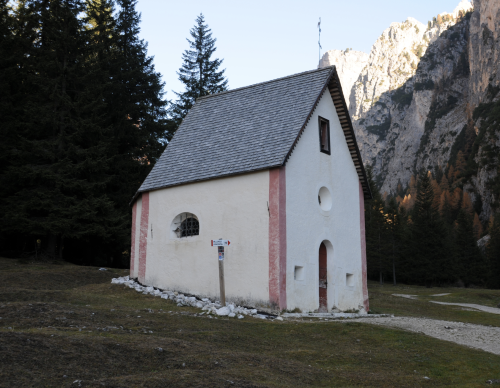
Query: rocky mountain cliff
point(416, 103)
point(349, 64)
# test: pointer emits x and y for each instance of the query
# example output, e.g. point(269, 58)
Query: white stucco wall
point(233, 208)
point(308, 225)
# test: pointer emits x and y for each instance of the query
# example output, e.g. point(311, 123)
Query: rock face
point(413, 103)
point(349, 64)
point(484, 49)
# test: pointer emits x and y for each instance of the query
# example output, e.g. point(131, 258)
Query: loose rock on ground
point(207, 305)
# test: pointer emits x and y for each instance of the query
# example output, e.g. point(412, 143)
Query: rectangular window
point(349, 280)
point(298, 273)
point(324, 135)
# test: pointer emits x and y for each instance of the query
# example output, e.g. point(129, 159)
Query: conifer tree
point(395, 225)
point(11, 55)
point(493, 252)
point(468, 258)
point(199, 73)
point(85, 123)
point(141, 104)
point(137, 111)
point(59, 170)
point(428, 238)
point(376, 232)
point(477, 226)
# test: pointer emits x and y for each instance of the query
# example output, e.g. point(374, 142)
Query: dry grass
point(382, 301)
point(64, 320)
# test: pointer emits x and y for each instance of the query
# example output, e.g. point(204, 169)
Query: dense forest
point(429, 236)
point(84, 119)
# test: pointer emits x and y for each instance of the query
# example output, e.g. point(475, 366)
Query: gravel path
point(406, 296)
point(475, 336)
point(487, 309)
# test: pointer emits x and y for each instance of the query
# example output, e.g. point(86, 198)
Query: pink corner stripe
point(132, 244)
point(143, 238)
point(277, 237)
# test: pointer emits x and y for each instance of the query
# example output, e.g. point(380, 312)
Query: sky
point(263, 40)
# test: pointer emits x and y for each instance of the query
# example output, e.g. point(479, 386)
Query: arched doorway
point(323, 305)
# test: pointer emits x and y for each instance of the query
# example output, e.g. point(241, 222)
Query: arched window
point(186, 225)
point(190, 227)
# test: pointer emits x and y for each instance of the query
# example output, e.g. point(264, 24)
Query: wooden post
point(221, 276)
point(221, 281)
point(220, 243)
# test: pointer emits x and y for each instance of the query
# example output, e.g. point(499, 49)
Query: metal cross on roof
point(319, 39)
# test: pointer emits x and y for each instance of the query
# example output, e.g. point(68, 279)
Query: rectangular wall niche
point(298, 273)
point(349, 280)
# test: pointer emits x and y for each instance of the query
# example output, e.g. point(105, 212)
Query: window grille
point(188, 225)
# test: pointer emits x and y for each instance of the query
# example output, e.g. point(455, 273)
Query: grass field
point(382, 301)
point(61, 320)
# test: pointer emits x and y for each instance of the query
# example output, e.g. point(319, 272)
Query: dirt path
point(475, 336)
point(487, 309)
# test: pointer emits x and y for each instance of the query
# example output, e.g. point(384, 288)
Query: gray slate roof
point(239, 131)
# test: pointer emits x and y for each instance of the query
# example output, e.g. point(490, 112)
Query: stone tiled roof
point(241, 130)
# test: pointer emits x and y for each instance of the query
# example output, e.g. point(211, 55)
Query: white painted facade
point(233, 208)
point(247, 209)
point(308, 225)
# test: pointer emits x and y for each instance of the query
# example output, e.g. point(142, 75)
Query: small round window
point(185, 225)
point(325, 199)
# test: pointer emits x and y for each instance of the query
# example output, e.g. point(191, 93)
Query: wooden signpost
point(220, 244)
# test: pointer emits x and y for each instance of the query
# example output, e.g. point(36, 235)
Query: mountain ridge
point(414, 105)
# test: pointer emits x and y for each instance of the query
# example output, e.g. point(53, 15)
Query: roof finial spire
point(319, 39)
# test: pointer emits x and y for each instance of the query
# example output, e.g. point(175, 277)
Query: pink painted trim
point(277, 237)
point(132, 245)
point(282, 223)
point(143, 238)
point(363, 246)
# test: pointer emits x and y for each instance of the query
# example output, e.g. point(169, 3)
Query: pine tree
point(468, 258)
point(376, 232)
point(478, 227)
point(11, 81)
point(493, 252)
point(137, 111)
point(88, 122)
point(437, 193)
point(395, 226)
point(430, 256)
point(12, 45)
point(141, 102)
point(467, 203)
point(199, 73)
point(59, 170)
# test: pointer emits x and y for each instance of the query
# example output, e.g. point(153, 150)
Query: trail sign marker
point(221, 243)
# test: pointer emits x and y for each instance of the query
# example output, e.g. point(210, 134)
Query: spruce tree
point(62, 167)
point(139, 107)
point(199, 73)
point(468, 258)
point(395, 229)
point(377, 245)
point(84, 123)
point(11, 81)
point(54, 175)
point(430, 256)
point(493, 252)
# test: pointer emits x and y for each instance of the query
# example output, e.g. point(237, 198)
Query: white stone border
point(211, 307)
